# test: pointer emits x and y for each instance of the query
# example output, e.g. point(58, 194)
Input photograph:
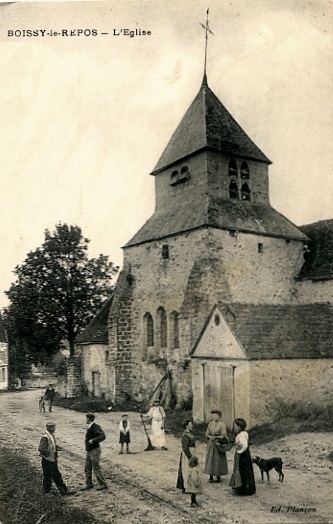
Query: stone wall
point(73, 384)
point(309, 291)
point(96, 360)
point(253, 276)
point(193, 190)
point(121, 331)
point(287, 381)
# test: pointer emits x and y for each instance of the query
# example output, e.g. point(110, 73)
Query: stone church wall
point(203, 267)
point(208, 174)
point(185, 194)
point(259, 269)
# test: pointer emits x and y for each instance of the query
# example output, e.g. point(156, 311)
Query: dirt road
point(142, 484)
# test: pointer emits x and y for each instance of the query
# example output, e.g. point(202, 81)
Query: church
point(218, 288)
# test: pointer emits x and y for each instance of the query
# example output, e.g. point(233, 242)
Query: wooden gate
point(218, 390)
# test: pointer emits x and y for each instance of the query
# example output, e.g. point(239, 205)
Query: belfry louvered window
point(232, 167)
point(246, 193)
point(233, 190)
point(245, 171)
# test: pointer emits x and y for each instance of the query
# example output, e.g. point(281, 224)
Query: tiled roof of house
point(208, 125)
point(277, 331)
point(222, 214)
point(318, 263)
point(97, 330)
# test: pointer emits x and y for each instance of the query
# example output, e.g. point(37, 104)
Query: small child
point(124, 436)
point(194, 480)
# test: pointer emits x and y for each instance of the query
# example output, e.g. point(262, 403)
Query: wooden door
point(218, 391)
point(95, 383)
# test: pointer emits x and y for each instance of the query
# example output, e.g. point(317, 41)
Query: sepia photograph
point(166, 298)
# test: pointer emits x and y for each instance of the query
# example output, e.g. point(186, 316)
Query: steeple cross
point(207, 30)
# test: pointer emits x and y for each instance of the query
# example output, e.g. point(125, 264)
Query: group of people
point(189, 479)
point(48, 450)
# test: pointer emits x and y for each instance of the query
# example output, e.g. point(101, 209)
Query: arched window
point(232, 168)
point(180, 177)
point(246, 193)
point(233, 189)
point(174, 176)
point(163, 327)
point(148, 333)
point(245, 171)
point(174, 330)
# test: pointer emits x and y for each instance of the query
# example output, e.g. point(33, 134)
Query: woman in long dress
point(156, 415)
point(216, 460)
point(242, 478)
point(188, 444)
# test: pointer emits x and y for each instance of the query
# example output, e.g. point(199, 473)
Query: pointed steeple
point(208, 125)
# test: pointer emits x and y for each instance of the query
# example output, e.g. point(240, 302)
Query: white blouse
point(242, 441)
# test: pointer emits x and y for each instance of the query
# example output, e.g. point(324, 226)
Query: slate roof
point(281, 332)
point(233, 215)
point(208, 125)
point(318, 263)
point(97, 330)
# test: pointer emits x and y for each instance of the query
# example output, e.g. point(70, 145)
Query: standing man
point(48, 450)
point(49, 395)
point(94, 436)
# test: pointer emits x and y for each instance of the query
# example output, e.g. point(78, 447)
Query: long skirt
point(182, 472)
point(157, 435)
point(242, 478)
point(216, 461)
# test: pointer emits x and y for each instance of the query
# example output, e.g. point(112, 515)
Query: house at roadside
point(3, 357)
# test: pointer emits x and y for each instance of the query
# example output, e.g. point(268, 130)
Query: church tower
point(213, 239)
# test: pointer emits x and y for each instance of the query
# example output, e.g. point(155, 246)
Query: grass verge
point(22, 501)
point(301, 417)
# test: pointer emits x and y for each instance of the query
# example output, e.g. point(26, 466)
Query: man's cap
point(50, 425)
point(90, 416)
point(124, 415)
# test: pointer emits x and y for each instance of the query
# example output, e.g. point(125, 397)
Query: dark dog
point(265, 466)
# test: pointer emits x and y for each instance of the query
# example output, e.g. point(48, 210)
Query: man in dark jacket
point(48, 450)
point(94, 436)
point(49, 395)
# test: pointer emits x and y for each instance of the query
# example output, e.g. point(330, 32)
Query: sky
point(85, 118)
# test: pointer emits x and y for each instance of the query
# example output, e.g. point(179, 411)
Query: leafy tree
point(57, 291)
